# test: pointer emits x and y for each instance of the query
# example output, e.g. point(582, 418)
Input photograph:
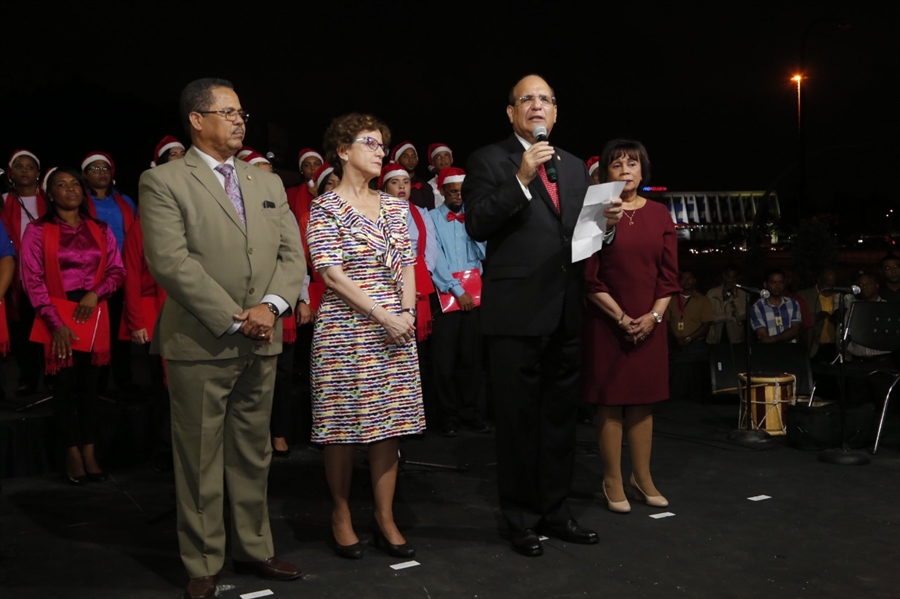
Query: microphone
point(540, 134)
point(854, 289)
point(763, 293)
point(270, 156)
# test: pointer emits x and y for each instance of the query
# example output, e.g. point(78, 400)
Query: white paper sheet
point(591, 225)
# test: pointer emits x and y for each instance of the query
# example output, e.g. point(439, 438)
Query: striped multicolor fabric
point(363, 389)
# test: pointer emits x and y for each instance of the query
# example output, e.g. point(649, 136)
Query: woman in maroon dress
point(629, 284)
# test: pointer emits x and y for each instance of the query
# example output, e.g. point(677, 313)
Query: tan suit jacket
point(210, 265)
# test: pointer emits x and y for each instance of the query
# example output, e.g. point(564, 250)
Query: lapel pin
point(249, 178)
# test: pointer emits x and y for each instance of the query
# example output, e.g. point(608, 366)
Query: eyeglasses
point(453, 193)
point(99, 169)
point(890, 267)
point(229, 114)
point(544, 100)
point(372, 144)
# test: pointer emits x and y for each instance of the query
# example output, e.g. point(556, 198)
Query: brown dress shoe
point(201, 588)
point(271, 569)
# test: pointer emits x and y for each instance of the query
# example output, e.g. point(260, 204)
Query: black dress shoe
point(281, 453)
point(270, 569)
point(449, 431)
point(570, 532)
point(379, 540)
point(201, 588)
point(482, 428)
point(526, 542)
point(96, 477)
point(354, 551)
point(77, 481)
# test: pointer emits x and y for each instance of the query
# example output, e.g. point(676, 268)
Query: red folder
point(85, 331)
point(471, 284)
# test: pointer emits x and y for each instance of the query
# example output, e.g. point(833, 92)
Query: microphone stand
point(750, 435)
point(843, 456)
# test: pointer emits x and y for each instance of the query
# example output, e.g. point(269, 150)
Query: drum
point(769, 394)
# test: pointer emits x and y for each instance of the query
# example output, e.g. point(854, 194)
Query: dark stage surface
point(826, 531)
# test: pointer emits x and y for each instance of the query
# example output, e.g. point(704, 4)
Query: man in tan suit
point(220, 239)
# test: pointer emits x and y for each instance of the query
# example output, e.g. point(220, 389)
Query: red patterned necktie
point(451, 216)
point(551, 187)
point(233, 190)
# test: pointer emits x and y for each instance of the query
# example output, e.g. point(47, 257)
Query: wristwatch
point(656, 316)
point(410, 310)
point(273, 309)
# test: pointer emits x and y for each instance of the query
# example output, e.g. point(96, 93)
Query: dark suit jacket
point(531, 286)
point(210, 265)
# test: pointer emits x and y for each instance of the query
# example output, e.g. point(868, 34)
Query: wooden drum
point(769, 395)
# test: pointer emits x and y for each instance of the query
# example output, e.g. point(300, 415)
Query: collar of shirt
point(213, 163)
point(522, 141)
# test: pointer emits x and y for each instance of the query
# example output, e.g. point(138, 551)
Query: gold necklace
point(630, 216)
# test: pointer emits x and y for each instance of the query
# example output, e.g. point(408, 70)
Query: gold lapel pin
point(249, 178)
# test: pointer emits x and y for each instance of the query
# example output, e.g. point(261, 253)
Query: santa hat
point(434, 149)
point(406, 145)
point(306, 153)
point(19, 153)
point(389, 171)
point(47, 178)
point(166, 143)
point(251, 156)
point(450, 174)
point(320, 175)
point(95, 156)
point(592, 164)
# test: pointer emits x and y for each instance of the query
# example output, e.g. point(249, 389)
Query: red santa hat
point(95, 156)
point(251, 156)
point(389, 171)
point(433, 149)
point(47, 178)
point(592, 164)
point(450, 174)
point(320, 175)
point(399, 149)
point(306, 153)
point(165, 144)
point(19, 153)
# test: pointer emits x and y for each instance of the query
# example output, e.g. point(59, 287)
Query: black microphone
point(854, 289)
point(763, 293)
point(540, 134)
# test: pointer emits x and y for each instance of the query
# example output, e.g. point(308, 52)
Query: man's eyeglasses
point(372, 143)
point(452, 193)
point(99, 169)
point(546, 101)
point(229, 114)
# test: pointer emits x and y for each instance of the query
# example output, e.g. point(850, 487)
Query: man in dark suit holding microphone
point(523, 197)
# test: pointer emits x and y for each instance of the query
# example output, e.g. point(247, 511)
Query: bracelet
point(273, 309)
point(372, 309)
point(621, 318)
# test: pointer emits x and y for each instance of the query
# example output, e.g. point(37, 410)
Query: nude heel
point(654, 501)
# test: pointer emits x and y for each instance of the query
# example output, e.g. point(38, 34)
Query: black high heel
point(77, 481)
point(379, 540)
point(354, 551)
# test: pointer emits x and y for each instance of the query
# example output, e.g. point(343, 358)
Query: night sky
point(705, 85)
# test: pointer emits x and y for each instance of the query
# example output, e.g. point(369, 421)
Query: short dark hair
point(344, 129)
point(50, 214)
point(775, 271)
point(887, 258)
point(631, 148)
point(197, 95)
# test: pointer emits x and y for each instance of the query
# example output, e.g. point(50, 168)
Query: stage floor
point(824, 530)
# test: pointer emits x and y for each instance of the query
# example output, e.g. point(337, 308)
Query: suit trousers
point(534, 381)
point(456, 352)
point(220, 434)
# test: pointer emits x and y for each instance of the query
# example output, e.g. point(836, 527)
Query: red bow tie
point(417, 185)
point(454, 216)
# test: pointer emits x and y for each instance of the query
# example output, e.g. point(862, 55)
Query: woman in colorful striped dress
point(364, 369)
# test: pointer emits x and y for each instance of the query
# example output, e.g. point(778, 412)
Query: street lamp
point(798, 78)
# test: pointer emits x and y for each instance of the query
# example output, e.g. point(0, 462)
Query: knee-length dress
point(363, 388)
point(639, 267)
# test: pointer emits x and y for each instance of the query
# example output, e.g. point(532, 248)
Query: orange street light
point(798, 79)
